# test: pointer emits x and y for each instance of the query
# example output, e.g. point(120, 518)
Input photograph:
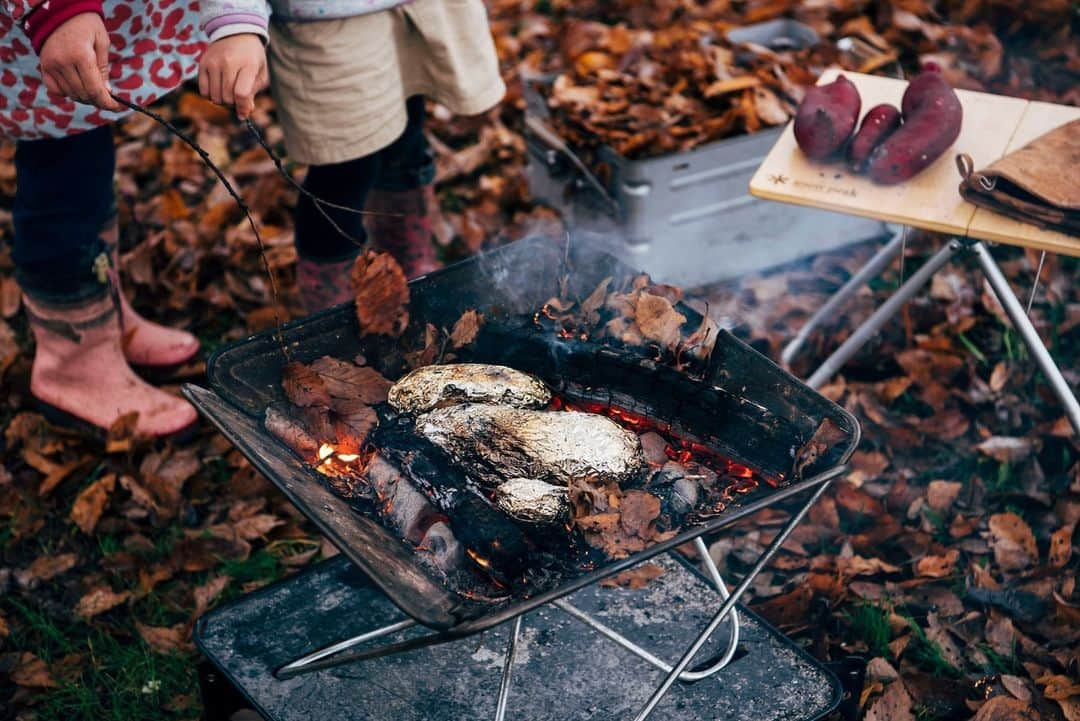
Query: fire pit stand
point(744, 407)
point(561, 672)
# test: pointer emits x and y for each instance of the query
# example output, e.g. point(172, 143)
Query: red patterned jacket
point(154, 46)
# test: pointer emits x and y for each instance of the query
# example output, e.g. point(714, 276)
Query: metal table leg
point(1028, 334)
point(873, 268)
point(728, 605)
point(508, 667)
point(888, 309)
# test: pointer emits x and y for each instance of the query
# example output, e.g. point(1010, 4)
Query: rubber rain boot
point(324, 284)
point(81, 377)
point(146, 343)
point(407, 230)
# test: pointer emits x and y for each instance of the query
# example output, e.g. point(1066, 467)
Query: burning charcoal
point(445, 551)
point(437, 386)
point(495, 444)
point(685, 496)
point(531, 501)
point(679, 486)
point(654, 447)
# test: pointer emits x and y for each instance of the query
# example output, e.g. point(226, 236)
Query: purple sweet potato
point(826, 118)
point(932, 120)
point(878, 123)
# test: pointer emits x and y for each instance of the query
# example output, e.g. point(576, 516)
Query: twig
point(190, 142)
point(319, 203)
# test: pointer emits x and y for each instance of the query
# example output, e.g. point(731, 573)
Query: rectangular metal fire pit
point(745, 407)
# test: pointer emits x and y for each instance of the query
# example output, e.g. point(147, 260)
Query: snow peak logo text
point(825, 188)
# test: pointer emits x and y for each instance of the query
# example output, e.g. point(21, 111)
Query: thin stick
point(319, 203)
point(190, 142)
point(1035, 285)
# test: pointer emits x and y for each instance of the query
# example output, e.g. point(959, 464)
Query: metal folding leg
point(728, 605)
point(1028, 334)
point(827, 312)
point(869, 328)
point(998, 283)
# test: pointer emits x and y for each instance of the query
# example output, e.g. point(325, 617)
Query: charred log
point(491, 539)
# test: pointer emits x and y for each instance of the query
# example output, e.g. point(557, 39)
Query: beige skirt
point(341, 85)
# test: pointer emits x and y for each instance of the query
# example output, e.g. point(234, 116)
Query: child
point(60, 58)
point(349, 78)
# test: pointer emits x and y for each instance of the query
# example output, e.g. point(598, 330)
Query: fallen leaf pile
point(109, 555)
point(947, 558)
point(644, 316)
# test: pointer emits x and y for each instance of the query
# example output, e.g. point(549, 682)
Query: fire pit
point(763, 435)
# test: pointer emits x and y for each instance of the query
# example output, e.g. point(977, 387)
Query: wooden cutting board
point(993, 125)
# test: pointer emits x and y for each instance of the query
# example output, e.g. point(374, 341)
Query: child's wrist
point(228, 26)
point(40, 23)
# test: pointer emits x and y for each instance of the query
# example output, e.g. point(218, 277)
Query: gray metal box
point(688, 218)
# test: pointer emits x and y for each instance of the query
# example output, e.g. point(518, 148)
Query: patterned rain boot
point(146, 344)
point(81, 376)
point(323, 284)
point(409, 235)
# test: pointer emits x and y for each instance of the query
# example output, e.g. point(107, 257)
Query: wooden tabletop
point(993, 125)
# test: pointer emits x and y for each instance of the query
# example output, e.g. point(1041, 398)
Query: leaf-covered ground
point(947, 559)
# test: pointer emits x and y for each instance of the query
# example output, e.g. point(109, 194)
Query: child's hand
point(75, 61)
point(232, 70)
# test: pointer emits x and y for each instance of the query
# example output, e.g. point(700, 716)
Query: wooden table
point(993, 126)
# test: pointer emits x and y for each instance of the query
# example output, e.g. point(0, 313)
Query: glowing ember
point(325, 451)
point(348, 457)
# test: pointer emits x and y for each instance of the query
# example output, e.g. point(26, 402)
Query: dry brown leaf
point(207, 593)
point(466, 329)
point(32, 672)
point(1057, 686)
point(381, 293)
point(1005, 449)
point(352, 422)
point(1013, 542)
point(59, 472)
point(165, 639)
point(893, 705)
point(658, 320)
point(595, 300)
point(255, 527)
point(45, 568)
point(165, 475)
point(1016, 686)
point(99, 600)
point(349, 381)
point(937, 566)
point(940, 495)
point(303, 386)
point(91, 502)
point(1004, 708)
point(1060, 547)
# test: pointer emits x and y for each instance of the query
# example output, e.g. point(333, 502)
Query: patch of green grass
point(927, 654)
point(260, 566)
point(119, 680)
point(111, 674)
point(1002, 664)
point(869, 623)
point(972, 348)
point(940, 524)
point(108, 543)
